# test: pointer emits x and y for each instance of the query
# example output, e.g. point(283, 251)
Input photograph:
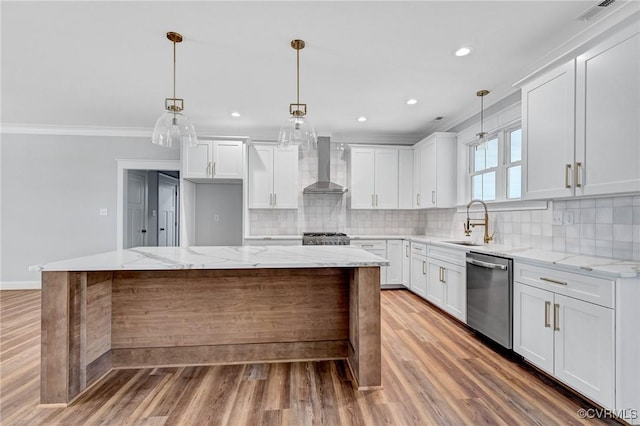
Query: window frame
point(503, 134)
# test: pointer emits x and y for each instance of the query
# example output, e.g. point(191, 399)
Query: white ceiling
point(108, 64)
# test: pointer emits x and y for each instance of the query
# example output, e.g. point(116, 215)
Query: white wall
point(52, 190)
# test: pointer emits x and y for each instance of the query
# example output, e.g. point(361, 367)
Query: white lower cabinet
point(447, 281)
point(419, 269)
point(406, 264)
point(571, 339)
point(377, 247)
point(394, 255)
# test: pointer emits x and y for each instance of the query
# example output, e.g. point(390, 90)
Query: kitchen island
point(175, 306)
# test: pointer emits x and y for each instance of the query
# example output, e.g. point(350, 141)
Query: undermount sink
point(462, 243)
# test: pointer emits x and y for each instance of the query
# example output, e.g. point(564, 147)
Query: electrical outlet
point(568, 218)
point(104, 212)
point(556, 218)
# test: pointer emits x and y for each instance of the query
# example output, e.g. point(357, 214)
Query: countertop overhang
point(219, 257)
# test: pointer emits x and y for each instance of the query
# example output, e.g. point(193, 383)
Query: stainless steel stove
point(325, 239)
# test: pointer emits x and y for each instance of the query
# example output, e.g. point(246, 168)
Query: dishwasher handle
point(486, 264)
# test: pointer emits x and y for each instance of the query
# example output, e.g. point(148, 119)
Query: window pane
point(492, 153)
point(489, 186)
point(476, 187)
point(479, 155)
point(516, 145)
point(514, 182)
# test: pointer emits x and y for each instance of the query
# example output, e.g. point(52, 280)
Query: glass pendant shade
point(297, 130)
point(172, 130)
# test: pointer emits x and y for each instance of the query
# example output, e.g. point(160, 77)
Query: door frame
point(176, 182)
point(122, 165)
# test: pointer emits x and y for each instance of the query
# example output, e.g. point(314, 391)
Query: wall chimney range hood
point(324, 184)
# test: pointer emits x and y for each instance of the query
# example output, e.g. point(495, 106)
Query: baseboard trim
point(20, 285)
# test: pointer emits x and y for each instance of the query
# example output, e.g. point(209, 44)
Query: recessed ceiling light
point(235, 114)
point(362, 119)
point(412, 101)
point(463, 51)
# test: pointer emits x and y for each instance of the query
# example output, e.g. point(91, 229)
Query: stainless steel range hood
point(324, 184)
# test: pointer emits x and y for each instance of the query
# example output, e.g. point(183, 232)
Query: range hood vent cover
point(324, 184)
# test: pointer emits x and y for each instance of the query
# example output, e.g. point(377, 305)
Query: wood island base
point(93, 322)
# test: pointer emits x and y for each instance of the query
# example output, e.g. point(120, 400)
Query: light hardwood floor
point(435, 372)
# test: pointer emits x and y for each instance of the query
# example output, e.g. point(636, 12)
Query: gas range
point(325, 239)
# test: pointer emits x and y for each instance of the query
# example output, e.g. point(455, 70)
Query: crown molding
point(48, 129)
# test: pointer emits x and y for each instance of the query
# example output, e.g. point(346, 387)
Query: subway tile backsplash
point(607, 227)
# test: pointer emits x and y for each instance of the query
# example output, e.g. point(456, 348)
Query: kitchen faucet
point(468, 225)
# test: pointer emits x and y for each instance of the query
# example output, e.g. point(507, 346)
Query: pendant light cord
point(174, 74)
point(481, 114)
point(298, 75)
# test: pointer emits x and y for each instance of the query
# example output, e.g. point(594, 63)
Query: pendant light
point(482, 136)
point(297, 130)
point(172, 128)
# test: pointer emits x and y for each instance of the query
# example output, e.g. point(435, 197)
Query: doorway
point(151, 204)
point(138, 223)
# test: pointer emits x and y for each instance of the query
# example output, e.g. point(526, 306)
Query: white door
point(386, 178)
point(428, 175)
point(419, 275)
point(417, 178)
point(136, 209)
point(394, 255)
point(533, 325)
point(435, 284)
point(607, 124)
point(197, 160)
point(227, 160)
point(584, 348)
point(548, 119)
point(405, 178)
point(285, 178)
point(455, 283)
point(406, 264)
point(167, 211)
point(362, 178)
point(260, 176)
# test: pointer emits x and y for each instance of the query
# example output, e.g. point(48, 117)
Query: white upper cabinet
point(213, 159)
point(405, 178)
point(273, 177)
point(435, 182)
point(374, 178)
point(607, 119)
point(548, 134)
point(598, 95)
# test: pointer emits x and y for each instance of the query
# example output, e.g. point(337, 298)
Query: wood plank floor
point(435, 372)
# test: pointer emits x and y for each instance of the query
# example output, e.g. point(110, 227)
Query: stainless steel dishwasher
point(490, 297)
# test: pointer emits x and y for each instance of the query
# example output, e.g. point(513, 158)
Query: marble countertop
point(241, 257)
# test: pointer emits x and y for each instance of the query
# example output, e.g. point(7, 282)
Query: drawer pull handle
point(549, 280)
point(547, 308)
point(556, 317)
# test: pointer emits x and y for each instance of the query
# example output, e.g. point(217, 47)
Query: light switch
point(568, 218)
point(104, 212)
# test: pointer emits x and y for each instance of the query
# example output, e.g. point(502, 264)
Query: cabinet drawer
point(583, 287)
point(457, 257)
point(419, 249)
point(370, 244)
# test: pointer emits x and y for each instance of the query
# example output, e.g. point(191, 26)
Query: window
point(496, 166)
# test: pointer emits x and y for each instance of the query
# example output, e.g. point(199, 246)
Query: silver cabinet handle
point(424, 272)
point(567, 172)
point(406, 252)
point(270, 199)
point(373, 200)
point(213, 173)
point(549, 280)
point(576, 178)
point(275, 199)
point(418, 199)
point(376, 200)
point(547, 308)
point(556, 317)
point(486, 264)
point(444, 276)
point(209, 168)
point(433, 197)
